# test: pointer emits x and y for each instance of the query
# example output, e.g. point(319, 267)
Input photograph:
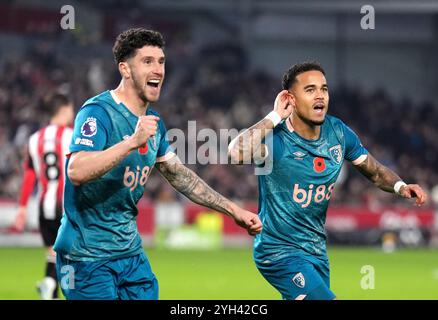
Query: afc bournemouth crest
point(299, 280)
point(336, 153)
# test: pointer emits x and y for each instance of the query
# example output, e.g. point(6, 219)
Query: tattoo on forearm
point(249, 142)
point(381, 176)
point(193, 187)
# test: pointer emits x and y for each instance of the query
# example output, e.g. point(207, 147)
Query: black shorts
point(49, 228)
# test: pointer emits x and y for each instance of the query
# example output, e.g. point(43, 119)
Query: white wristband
point(274, 117)
point(398, 185)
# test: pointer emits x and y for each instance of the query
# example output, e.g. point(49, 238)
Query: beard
point(318, 122)
point(140, 89)
point(310, 122)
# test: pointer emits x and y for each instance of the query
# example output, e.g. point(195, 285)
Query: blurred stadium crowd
point(212, 86)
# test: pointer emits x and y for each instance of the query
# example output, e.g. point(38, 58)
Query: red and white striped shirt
point(46, 161)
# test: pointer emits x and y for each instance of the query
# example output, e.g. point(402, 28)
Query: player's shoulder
point(97, 107)
point(278, 134)
point(101, 99)
point(98, 103)
point(40, 131)
point(333, 120)
point(34, 136)
point(336, 123)
point(280, 128)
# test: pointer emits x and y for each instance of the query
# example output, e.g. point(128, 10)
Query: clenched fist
point(146, 127)
point(248, 220)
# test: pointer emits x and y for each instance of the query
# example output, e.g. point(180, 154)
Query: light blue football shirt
point(294, 197)
point(100, 215)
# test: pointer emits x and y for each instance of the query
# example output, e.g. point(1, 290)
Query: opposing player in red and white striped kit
point(45, 163)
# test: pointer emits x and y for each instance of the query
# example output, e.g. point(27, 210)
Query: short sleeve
point(91, 127)
point(164, 152)
point(354, 150)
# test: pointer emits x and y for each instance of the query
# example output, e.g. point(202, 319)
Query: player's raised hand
point(284, 103)
point(146, 127)
point(248, 220)
point(414, 191)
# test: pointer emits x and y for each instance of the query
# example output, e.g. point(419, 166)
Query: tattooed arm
point(248, 146)
point(193, 187)
point(385, 179)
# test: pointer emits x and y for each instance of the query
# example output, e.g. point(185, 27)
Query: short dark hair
point(54, 102)
point(130, 40)
point(290, 76)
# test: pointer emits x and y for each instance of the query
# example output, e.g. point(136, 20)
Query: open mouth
point(153, 83)
point(319, 107)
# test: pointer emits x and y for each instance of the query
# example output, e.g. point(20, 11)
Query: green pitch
point(231, 274)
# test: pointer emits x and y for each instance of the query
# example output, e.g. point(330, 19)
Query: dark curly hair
point(290, 76)
point(130, 40)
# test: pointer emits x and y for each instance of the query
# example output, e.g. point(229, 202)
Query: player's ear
point(124, 70)
point(291, 98)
